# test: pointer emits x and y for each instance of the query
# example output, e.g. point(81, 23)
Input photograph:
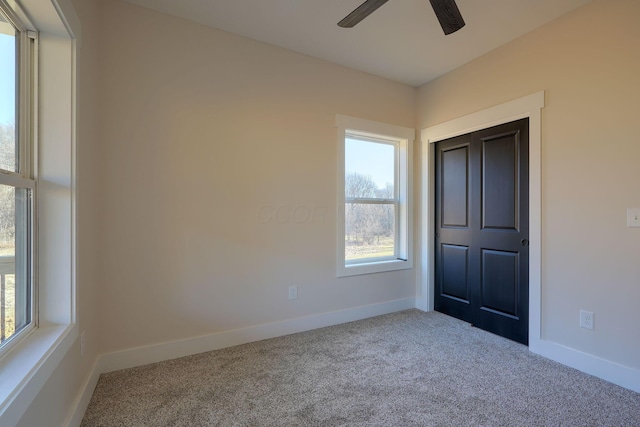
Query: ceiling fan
point(446, 10)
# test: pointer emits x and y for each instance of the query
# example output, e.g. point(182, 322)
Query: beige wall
point(89, 200)
point(588, 64)
point(200, 130)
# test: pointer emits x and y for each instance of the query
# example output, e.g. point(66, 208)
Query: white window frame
point(25, 369)
point(402, 138)
point(23, 178)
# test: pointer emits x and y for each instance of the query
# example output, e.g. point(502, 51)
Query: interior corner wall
point(220, 170)
point(587, 63)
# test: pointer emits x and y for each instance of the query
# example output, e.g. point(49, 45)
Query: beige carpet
point(404, 369)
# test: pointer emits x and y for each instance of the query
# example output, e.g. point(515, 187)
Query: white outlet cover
point(633, 217)
point(586, 319)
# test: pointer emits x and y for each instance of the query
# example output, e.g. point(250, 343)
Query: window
point(371, 199)
point(17, 184)
point(31, 356)
point(374, 197)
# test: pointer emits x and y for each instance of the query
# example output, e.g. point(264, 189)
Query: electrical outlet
point(82, 344)
point(293, 293)
point(586, 319)
point(633, 217)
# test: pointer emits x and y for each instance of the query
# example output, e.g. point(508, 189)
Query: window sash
point(378, 139)
point(366, 200)
point(23, 178)
point(21, 267)
point(395, 201)
point(396, 230)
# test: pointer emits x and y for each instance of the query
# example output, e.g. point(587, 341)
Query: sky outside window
point(7, 96)
point(7, 73)
point(371, 159)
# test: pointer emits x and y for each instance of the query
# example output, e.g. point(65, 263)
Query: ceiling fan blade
point(448, 14)
point(361, 12)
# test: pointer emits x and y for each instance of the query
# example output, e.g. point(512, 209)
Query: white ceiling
point(401, 41)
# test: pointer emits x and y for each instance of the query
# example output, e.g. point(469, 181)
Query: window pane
point(15, 312)
point(369, 169)
point(369, 230)
point(8, 96)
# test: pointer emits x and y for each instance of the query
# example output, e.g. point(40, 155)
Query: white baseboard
point(82, 401)
point(156, 353)
point(607, 370)
point(422, 305)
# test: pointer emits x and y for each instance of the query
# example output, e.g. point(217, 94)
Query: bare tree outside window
point(369, 227)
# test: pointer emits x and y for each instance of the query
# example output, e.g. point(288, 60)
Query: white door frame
point(526, 107)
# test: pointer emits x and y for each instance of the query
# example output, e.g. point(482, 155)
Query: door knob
point(524, 242)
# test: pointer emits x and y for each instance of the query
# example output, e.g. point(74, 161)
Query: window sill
point(374, 267)
point(26, 368)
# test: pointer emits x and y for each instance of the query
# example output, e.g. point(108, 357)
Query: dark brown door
point(482, 229)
